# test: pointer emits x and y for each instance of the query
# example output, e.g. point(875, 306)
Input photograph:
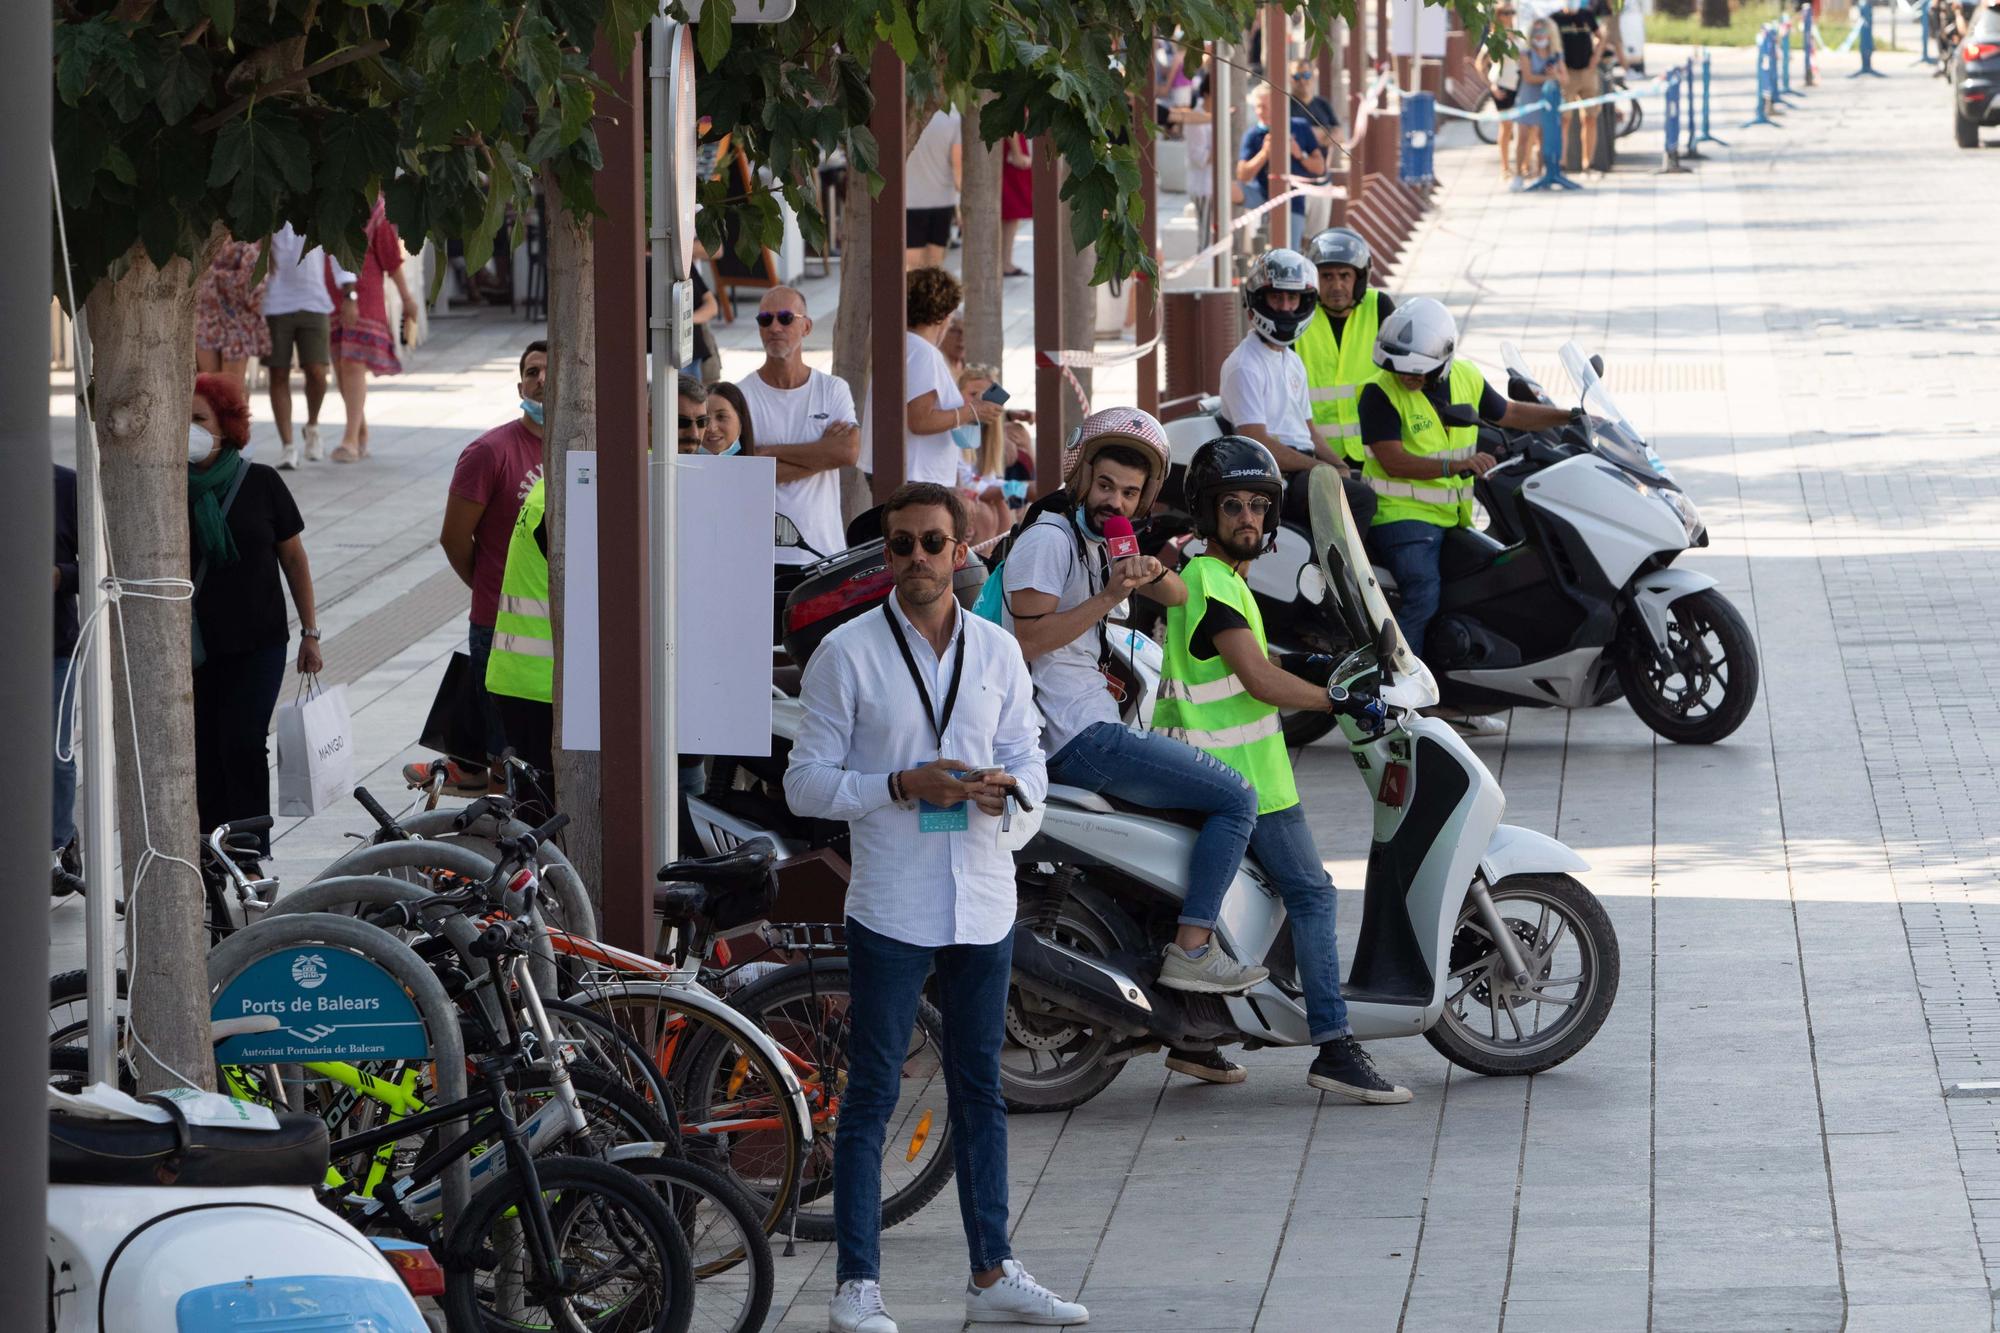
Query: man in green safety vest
point(1338, 343)
point(1221, 693)
point(520, 671)
point(1420, 464)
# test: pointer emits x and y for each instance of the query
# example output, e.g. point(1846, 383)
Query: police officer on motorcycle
point(1416, 418)
point(1221, 693)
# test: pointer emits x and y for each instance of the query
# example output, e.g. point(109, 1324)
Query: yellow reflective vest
point(1447, 500)
point(522, 664)
point(1337, 365)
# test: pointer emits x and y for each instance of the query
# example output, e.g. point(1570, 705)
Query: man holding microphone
point(1067, 571)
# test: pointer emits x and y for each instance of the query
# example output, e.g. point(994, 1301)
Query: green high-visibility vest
point(523, 662)
point(1337, 365)
point(1445, 501)
point(1203, 703)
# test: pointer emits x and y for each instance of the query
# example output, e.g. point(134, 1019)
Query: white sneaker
point(1018, 1299)
point(288, 457)
point(311, 432)
point(1480, 724)
point(857, 1308)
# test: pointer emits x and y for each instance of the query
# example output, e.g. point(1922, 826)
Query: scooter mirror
point(1385, 651)
point(784, 532)
point(1597, 363)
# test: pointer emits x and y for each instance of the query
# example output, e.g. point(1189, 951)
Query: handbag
point(456, 725)
point(315, 749)
point(196, 648)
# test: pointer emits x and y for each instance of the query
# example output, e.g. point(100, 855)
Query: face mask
point(200, 443)
point(1083, 524)
point(966, 436)
point(735, 448)
point(533, 410)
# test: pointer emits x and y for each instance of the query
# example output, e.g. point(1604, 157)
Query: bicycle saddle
point(751, 861)
point(728, 890)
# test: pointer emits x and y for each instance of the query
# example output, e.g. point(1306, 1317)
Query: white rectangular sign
point(1416, 29)
point(724, 569)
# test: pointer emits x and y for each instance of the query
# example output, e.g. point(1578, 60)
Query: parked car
point(1975, 77)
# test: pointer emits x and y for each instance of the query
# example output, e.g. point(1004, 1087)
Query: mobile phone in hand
point(996, 394)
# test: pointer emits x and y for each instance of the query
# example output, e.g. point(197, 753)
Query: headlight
point(1697, 531)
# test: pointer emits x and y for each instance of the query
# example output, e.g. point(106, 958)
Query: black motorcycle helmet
point(1233, 463)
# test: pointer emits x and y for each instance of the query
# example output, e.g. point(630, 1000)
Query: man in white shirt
point(296, 309)
point(931, 177)
point(1060, 586)
point(804, 418)
point(919, 726)
point(1263, 381)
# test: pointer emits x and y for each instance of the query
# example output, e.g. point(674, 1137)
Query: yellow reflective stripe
point(530, 607)
point(1332, 393)
point(524, 646)
point(1443, 492)
point(1214, 691)
point(1227, 738)
point(1345, 430)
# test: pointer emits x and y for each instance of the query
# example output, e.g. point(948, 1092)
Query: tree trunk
point(979, 209)
point(571, 410)
point(1680, 9)
point(1714, 13)
point(850, 323)
point(1079, 315)
point(142, 326)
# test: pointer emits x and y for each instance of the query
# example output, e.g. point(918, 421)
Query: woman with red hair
point(243, 533)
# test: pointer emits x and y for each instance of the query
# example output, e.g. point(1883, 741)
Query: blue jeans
point(886, 977)
point(1410, 547)
point(63, 827)
point(479, 646)
point(1168, 774)
point(1283, 846)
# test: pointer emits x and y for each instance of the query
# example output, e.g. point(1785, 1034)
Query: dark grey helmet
point(1343, 245)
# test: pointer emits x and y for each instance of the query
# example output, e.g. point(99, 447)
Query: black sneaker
point(1208, 1066)
point(1344, 1067)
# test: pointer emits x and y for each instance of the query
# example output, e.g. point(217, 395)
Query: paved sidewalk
point(1759, 1138)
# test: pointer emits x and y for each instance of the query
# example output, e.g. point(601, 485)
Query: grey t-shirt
point(927, 181)
point(1069, 688)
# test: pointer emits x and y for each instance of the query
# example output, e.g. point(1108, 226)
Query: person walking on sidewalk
point(493, 477)
point(362, 339)
point(297, 305)
point(229, 325)
point(919, 723)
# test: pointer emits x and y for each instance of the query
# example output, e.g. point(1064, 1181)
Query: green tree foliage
point(174, 115)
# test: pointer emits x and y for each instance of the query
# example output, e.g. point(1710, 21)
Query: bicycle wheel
point(738, 1117)
point(67, 994)
point(626, 1266)
point(593, 1037)
point(733, 1273)
point(805, 1009)
point(1487, 130)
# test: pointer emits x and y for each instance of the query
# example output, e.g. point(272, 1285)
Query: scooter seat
point(1193, 819)
point(1078, 797)
point(86, 1151)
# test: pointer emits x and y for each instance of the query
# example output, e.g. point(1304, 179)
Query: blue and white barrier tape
point(1650, 88)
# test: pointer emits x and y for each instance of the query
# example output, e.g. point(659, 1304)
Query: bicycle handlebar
point(257, 824)
point(376, 812)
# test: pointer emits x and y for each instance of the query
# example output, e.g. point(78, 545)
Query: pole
point(95, 747)
point(1707, 134)
point(1221, 100)
point(1552, 143)
point(1148, 369)
point(1278, 151)
point(1868, 42)
point(27, 544)
point(663, 477)
point(624, 558)
point(887, 287)
point(1048, 309)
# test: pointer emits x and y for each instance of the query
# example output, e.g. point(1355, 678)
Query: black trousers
point(234, 696)
point(530, 728)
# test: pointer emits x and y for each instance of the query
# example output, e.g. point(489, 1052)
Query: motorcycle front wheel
point(1491, 1025)
point(1708, 682)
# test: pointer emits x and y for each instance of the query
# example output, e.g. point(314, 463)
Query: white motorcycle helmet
point(1418, 338)
point(1280, 271)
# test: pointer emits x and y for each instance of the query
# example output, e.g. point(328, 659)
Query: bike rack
point(229, 959)
point(578, 915)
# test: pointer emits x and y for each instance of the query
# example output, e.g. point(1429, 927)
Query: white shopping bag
point(315, 750)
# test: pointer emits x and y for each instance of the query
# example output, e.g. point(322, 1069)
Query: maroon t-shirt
point(496, 470)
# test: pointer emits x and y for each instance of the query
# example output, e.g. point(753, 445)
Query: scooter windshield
point(1356, 596)
point(1517, 368)
point(1613, 434)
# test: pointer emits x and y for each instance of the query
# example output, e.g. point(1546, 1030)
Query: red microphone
point(1120, 541)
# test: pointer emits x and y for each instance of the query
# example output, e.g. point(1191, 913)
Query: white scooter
point(173, 1214)
point(1474, 933)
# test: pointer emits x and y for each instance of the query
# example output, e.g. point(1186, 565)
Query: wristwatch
point(305, 633)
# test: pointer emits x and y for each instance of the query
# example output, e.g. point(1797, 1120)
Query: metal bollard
point(1707, 128)
point(1672, 164)
point(1868, 43)
point(1552, 142)
point(1767, 51)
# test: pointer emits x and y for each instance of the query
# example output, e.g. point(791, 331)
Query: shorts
point(927, 226)
point(1503, 98)
point(305, 328)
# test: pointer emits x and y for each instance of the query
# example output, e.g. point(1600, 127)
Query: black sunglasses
point(697, 423)
point(784, 317)
point(903, 543)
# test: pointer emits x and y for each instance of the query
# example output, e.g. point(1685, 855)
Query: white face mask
point(200, 443)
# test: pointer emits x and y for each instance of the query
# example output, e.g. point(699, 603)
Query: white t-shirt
point(801, 416)
point(298, 276)
point(925, 457)
point(927, 181)
point(1069, 689)
point(1265, 386)
point(1200, 141)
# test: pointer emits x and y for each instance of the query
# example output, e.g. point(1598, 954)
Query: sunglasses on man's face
point(1235, 507)
point(695, 423)
point(765, 318)
point(905, 543)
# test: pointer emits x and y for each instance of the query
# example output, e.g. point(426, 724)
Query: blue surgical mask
point(735, 448)
point(533, 410)
point(966, 436)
